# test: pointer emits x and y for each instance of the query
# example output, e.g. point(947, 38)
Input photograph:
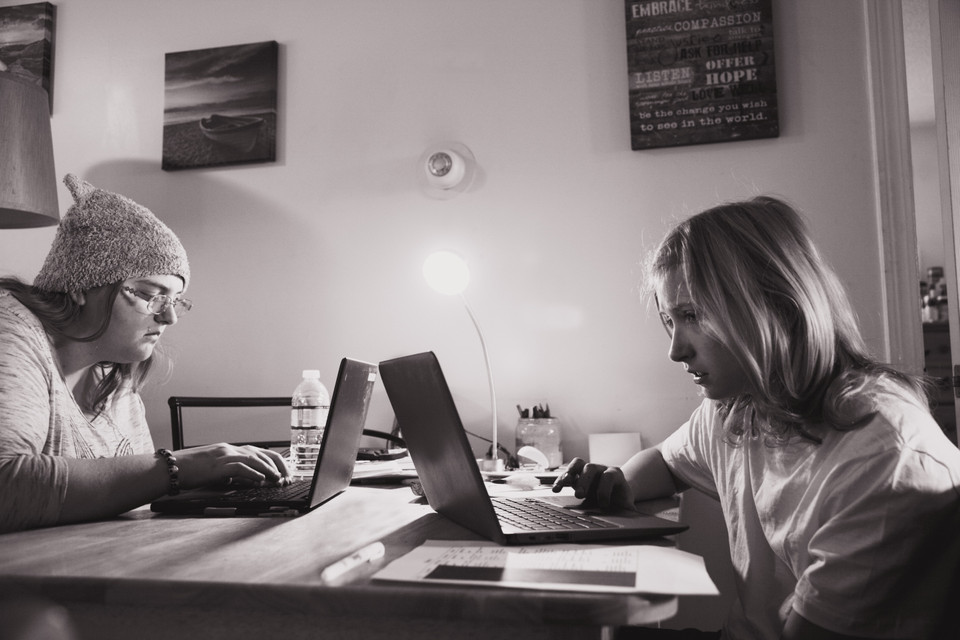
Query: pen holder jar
point(542, 434)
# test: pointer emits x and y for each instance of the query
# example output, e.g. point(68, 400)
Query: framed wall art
point(220, 106)
point(26, 43)
point(700, 71)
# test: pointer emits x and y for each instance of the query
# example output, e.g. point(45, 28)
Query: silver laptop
point(453, 484)
point(334, 469)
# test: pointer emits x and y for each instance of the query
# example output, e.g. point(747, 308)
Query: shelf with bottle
point(933, 297)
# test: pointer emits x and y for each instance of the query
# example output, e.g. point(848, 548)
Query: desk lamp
point(28, 181)
point(447, 273)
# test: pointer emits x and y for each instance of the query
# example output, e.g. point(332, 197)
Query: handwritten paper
point(568, 567)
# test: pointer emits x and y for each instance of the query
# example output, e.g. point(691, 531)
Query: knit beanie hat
point(105, 238)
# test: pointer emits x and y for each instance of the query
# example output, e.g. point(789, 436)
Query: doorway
point(938, 287)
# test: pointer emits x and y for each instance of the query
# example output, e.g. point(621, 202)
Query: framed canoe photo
point(220, 106)
point(26, 43)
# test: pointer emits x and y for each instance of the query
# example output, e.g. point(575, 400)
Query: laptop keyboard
point(533, 514)
point(294, 491)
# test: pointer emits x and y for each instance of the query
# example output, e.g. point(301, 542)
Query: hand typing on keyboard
point(597, 485)
point(244, 483)
point(239, 465)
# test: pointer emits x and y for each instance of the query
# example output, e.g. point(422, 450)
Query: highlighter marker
point(367, 554)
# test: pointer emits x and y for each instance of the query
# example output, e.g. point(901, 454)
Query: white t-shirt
point(858, 534)
point(41, 424)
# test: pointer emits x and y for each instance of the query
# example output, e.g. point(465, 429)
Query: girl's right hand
point(597, 485)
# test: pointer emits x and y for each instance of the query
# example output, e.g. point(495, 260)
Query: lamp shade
point(28, 179)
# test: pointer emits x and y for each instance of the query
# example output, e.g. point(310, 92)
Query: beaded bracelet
point(172, 469)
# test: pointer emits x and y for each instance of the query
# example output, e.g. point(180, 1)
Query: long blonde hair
point(762, 288)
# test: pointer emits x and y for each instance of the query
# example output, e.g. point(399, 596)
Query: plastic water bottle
point(308, 418)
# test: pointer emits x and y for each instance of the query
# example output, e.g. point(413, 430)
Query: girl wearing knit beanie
point(75, 347)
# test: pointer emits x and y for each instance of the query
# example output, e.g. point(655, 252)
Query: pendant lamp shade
point(28, 179)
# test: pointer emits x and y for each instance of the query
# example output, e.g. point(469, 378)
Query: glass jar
point(542, 434)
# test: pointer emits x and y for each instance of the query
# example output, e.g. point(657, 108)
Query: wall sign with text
point(700, 71)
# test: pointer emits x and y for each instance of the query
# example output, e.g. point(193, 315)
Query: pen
point(367, 554)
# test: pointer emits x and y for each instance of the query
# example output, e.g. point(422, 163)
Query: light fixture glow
point(447, 273)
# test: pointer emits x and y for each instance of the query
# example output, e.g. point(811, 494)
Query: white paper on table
point(567, 567)
point(384, 468)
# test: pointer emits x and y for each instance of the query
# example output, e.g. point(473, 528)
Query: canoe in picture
point(238, 132)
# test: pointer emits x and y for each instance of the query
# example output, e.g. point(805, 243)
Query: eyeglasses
point(159, 303)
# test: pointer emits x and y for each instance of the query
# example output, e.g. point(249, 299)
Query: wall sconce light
point(28, 180)
point(446, 170)
point(447, 273)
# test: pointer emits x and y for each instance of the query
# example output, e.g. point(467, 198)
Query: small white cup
point(613, 449)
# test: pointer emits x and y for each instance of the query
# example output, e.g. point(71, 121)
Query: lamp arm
point(493, 395)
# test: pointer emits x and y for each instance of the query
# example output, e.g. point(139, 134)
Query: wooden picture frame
point(220, 106)
point(27, 42)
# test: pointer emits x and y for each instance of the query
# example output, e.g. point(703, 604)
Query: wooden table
point(145, 576)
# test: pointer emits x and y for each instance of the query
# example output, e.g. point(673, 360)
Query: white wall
point(923, 133)
point(318, 255)
point(926, 186)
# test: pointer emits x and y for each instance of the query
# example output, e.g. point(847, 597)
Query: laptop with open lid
point(335, 462)
point(451, 478)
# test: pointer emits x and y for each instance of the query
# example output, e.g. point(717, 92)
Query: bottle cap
point(311, 373)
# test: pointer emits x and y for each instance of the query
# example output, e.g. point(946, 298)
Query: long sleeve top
point(41, 424)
